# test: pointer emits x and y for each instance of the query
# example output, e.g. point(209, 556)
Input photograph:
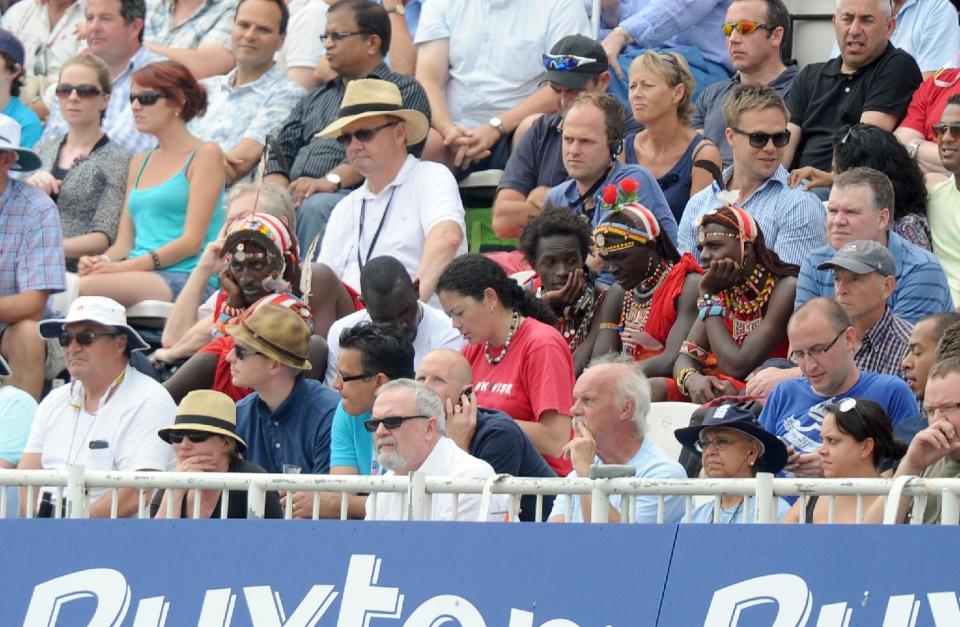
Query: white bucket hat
point(27, 160)
point(99, 309)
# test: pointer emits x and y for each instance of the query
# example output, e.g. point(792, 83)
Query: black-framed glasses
point(83, 338)
point(759, 139)
point(147, 97)
point(242, 353)
point(338, 36)
point(721, 443)
point(939, 130)
point(84, 90)
point(744, 27)
point(363, 135)
point(176, 437)
point(347, 378)
point(815, 352)
point(389, 422)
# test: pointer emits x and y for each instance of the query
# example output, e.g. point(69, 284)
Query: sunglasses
point(939, 130)
point(759, 139)
point(565, 62)
point(242, 353)
point(363, 135)
point(86, 90)
point(353, 377)
point(83, 338)
point(176, 437)
point(744, 27)
point(147, 97)
point(390, 422)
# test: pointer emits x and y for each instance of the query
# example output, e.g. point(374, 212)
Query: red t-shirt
point(534, 378)
point(929, 101)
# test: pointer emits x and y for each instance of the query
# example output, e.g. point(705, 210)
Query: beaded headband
point(647, 229)
point(743, 223)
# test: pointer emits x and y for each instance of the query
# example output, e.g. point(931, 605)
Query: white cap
point(27, 160)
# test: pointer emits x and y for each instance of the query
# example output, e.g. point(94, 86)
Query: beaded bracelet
point(156, 260)
point(693, 351)
point(708, 300)
point(233, 312)
point(712, 310)
point(681, 379)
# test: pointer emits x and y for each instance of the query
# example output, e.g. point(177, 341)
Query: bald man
point(490, 435)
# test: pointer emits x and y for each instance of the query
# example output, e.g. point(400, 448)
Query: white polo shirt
point(445, 460)
point(422, 195)
point(127, 422)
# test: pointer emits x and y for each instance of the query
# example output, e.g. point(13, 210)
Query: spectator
point(536, 163)
point(83, 171)
point(521, 364)
point(303, 51)
point(18, 409)
point(858, 442)
point(12, 55)
point(755, 32)
point(871, 81)
point(661, 90)
point(745, 302)
point(48, 31)
point(944, 196)
point(556, 244)
point(733, 445)
point(114, 32)
point(649, 311)
point(926, 108)
point(314, 168)
point(823, 341)
point(480, 66)
point(370, 356)
point(689, 27)
point(198, 38)
point(204, 439)
point(611, 401)
point(486, 434)
point(117, 409)
point(391, 298)
point(923, 351)
point(756, 130)
point(415, 204)
point(31, 261)
point(404, 19)
point(409, 436)
point(593, 130)
point(861, 203)
point(928, 30)
point(249, 102)
point(173, 201)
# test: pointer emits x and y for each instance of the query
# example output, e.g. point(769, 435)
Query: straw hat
point(207, 411)
point(369, 97)
point(276, 326)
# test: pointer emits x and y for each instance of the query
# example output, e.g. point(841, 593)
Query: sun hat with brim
point(276, 326)
point(369, 97)
point(99, 309)
point(735, 416)
point(4, 368)
point(27, 160)
point(207, 411)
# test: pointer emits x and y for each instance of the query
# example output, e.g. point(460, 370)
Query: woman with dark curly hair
point(174, 195)
point(556, 244)
point(521, 364)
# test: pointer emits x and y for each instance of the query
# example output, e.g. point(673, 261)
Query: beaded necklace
point(746, 301)
point(636, 306)
point(574, 323)
point(514, 325)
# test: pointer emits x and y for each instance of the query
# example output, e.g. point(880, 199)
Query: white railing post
point(892, 505)
point(764, 504)
point(75, 490)
point(416, 496)
point(595, 19)
point(599, 503)
point(256, 497)
point(949, 507)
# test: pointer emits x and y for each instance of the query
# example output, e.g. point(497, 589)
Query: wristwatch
point(914, 148)
point(334, 178)
point(497, 123)
point(398, 9)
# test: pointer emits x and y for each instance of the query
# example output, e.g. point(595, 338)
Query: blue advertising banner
point(348, 574)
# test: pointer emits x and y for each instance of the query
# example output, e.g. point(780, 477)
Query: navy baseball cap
point(11, 46)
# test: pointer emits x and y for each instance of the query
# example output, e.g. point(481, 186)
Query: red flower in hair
point(629, 186)
point(610, 194)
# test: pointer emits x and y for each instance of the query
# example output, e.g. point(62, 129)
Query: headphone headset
point(616, 147)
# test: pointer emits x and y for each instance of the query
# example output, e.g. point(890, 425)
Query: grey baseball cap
point(863, 257)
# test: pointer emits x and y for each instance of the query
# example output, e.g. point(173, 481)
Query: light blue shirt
point(651, 463)
point(927, 29)
point(704, 513)
point(211, 22)
point(17, 409)
point(351, 444)
point(792, 220)
point(250, 111)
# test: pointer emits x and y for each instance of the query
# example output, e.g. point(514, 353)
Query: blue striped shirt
point(793, 221)
point(921, 284)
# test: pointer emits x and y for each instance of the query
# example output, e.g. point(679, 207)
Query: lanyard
point(78, 405)
point(578, 203)
point(376, 234)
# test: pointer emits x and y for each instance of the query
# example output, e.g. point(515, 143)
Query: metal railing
point(70, 489)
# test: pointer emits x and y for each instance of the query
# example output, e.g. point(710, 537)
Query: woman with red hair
point(174, 195)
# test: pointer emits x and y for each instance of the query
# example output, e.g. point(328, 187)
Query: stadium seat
point(663, 419)
point(477, 191)
point(149, 314)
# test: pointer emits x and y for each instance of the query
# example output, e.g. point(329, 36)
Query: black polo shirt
point(823, 99)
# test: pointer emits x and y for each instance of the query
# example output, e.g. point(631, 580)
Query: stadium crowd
point(697, 220)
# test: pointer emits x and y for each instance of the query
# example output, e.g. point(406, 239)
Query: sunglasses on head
point(759, 139)
point(176, 437)
point(83, 338)
point(389, 422)
point(939, 130)
point(147, 97)
point(565, 62)
point(242, 353)
point(744, 27)
point(85, 90)
point(363, 135)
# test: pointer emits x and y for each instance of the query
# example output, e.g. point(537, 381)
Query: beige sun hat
point(369, 97)
point(208, 411)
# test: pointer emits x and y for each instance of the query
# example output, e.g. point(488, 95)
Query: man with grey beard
point(408, 426)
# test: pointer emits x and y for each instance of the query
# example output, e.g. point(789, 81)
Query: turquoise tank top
point(159, 214)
